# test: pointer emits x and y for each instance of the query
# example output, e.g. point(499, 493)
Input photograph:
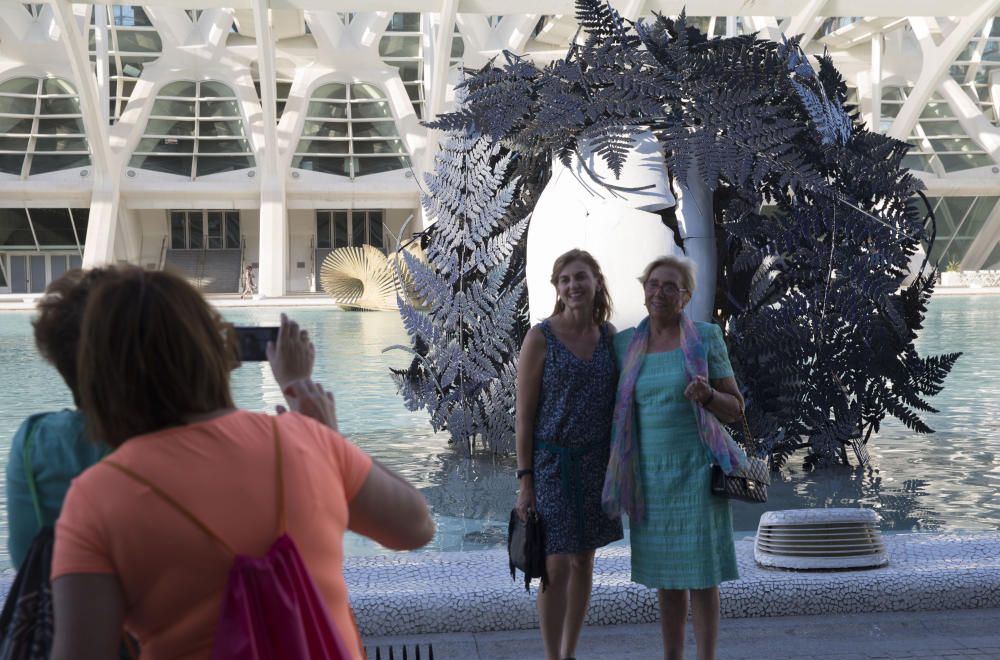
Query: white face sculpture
point(618, 226)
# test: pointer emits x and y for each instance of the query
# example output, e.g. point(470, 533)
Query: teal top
point(57, 453)
point(687, 539)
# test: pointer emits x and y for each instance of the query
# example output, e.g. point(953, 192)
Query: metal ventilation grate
point(817, 539)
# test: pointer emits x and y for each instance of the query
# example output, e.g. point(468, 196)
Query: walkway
point(925, 635)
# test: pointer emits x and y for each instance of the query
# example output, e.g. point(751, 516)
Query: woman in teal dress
point(675, 385)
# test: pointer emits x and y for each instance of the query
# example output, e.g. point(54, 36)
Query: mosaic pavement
point(416, 593)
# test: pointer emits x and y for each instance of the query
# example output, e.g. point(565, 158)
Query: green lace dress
point(687, 539)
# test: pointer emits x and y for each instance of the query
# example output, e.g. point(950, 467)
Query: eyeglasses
point(668, 288)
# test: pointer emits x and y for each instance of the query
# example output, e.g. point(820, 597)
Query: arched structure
point(931, 80)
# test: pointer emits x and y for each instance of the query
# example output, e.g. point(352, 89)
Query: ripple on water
point(943, 481)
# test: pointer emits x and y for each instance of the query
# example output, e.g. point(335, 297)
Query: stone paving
point(471, 592)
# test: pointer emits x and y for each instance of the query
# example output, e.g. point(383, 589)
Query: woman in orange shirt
point(154, 364)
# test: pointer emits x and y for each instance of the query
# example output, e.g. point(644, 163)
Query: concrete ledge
point(419, 593)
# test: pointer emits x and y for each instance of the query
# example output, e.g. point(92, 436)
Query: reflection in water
point(943, 481)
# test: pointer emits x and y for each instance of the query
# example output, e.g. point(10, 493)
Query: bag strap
point(180, 508)
point(279, 478)
point(184, 511)
point(30, 476)
point(751, 442)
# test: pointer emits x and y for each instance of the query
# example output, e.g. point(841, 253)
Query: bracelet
point(711, 395)
point(527, 471)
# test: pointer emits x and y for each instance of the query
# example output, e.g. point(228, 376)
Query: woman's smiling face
point(665, 293)
point(576, 285)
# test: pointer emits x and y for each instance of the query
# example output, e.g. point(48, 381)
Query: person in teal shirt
point(50, 449)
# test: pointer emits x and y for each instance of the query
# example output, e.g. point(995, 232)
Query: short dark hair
point(60, 315)
point(152, 353)
point(602, 298)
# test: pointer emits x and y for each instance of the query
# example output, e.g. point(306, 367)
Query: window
point(42, 229)
point(212, 230)
point(132, 44)
point(283, 87)
point(959, 221)
point(350, 131)
point(41, 127)
point(336, 229)
point(402, 47)
point(195, 129)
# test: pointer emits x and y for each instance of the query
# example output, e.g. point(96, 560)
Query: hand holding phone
point(253, 341)
point(291, 354)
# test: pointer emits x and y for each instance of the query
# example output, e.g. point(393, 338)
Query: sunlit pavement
point(930, 634)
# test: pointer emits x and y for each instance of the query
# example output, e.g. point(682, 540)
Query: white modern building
point(269, 132)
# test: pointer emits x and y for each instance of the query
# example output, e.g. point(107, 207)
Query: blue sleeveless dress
point(571, 445)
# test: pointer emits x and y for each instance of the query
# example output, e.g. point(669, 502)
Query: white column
point(696, 222)
point(272, 278)
point(103, 223)
point(876, 84)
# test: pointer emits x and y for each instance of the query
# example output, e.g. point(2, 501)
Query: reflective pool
point(944, 481)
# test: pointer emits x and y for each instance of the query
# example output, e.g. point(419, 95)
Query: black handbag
point(526, 548)
point(749, 484)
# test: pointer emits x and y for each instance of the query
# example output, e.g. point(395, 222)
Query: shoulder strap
point(180, 508)
point(184, 511)
point(30, 476)
point(279, 479)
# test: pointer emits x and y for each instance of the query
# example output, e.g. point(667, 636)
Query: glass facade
point(350, 131)
point(132, 43)
point(402, 47)
point(204, 229)
point(41, 127)
point(195, 129)
point(959, 221)
point(337, 229)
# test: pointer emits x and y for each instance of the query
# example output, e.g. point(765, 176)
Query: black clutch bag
point(749, 484)
point(526, 548)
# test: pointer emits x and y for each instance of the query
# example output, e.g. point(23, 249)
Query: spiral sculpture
point(363, 278)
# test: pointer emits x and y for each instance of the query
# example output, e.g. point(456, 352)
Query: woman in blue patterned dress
point(566, 378)
point(675, 385)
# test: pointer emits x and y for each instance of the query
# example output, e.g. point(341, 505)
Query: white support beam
point(273, 213)
point(101, 36)
point(767, 26)
point(970, 116)
point(514, 31)
point(668, 7)
point(936, 63)
point(875, 120)
point(984, 242)
point(103, 224)
point(15, 21)
point(439, 77)
point(442, 56)
point(368, 27)
point(803, 21)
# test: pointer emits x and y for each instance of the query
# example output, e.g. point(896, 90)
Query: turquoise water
point(944, 481)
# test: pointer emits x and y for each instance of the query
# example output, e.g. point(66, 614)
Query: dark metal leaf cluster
point(817, 219)
point(472, 287)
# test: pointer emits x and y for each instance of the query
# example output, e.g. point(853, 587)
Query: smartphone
point(253, 341)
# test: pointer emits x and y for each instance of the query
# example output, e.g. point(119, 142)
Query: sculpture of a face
point(585, 206)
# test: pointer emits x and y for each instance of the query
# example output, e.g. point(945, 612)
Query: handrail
point(312, 263)
point(163, 254)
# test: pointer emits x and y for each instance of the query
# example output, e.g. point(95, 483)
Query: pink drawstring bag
point(271, 608)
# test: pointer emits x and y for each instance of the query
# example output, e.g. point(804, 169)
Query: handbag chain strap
point(751, 442)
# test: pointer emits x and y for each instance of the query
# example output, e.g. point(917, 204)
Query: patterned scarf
point(622, 488)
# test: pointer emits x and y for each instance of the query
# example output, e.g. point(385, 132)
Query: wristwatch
point(521, 473)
